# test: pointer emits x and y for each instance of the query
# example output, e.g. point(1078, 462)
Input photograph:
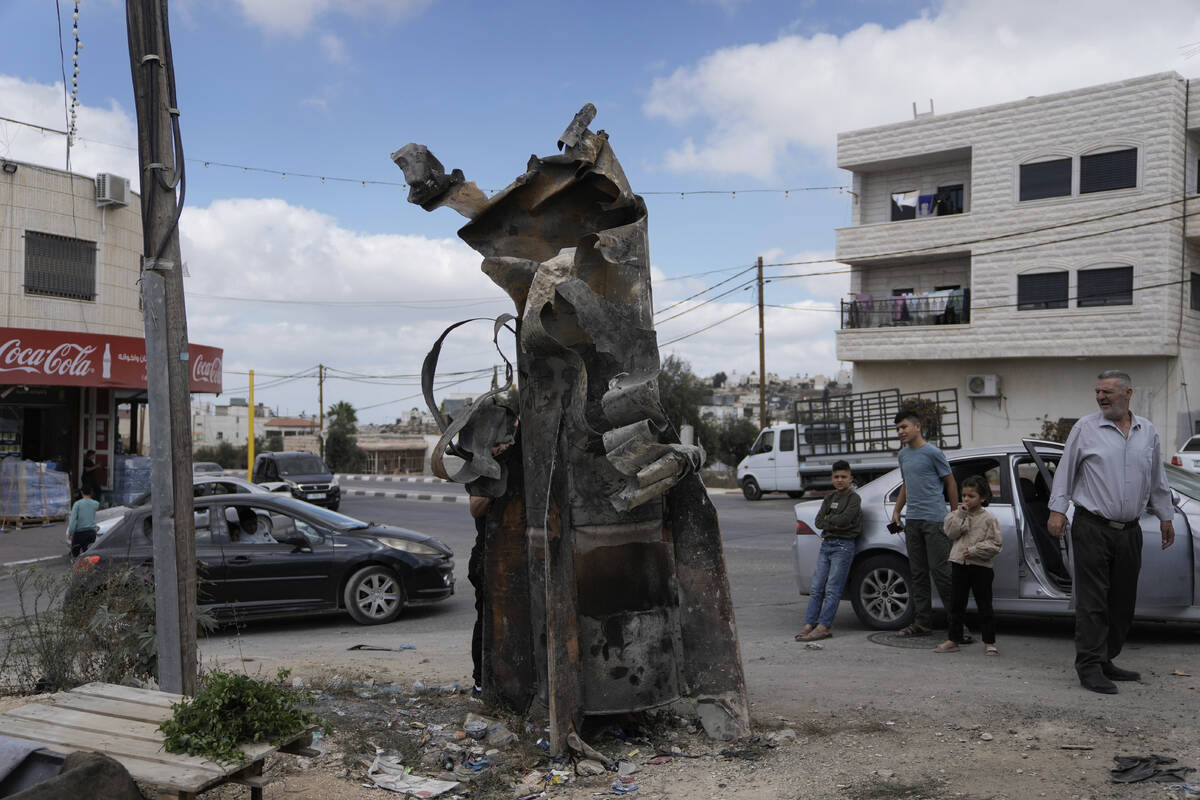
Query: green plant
point(229, 710)
point(75, 628)
point(1054, 430)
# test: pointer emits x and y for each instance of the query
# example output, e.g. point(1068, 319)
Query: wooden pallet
point(122, 722)
point(20, 523)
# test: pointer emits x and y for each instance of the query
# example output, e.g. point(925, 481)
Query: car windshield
point(1184, 482)
point(322, 516)
point(1192, 445)
point(301, 465)
point(207, 466)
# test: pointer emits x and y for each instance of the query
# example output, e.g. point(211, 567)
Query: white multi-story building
point(1017, 250)
point(213, 423)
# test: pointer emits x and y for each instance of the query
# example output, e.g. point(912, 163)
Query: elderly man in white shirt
point(1111, 468)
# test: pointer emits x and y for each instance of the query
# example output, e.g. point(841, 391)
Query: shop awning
point(62, 358)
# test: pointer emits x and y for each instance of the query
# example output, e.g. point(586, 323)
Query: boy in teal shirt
point(81, 525)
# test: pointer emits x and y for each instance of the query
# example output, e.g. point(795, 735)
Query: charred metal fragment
point(616, 584)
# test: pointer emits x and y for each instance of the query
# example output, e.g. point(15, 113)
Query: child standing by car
point(81, 525)
point(977, 540)
point(840, 523)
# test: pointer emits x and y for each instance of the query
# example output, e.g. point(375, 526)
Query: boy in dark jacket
point(840, 523)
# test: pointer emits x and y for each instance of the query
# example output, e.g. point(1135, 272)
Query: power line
point(323, 178)
point(708, 327)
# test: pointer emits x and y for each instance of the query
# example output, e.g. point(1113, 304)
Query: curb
point(433, 498)
point(389, 478)
point(7, 566)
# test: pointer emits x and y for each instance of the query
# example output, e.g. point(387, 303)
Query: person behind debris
point(927, 482)
point(840, 522)
point(478, 507)
point(91, 475)
point(81, 525)
point(1111, 468)
point(977, 540)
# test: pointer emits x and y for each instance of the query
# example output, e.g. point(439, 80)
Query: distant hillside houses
point(737, 395)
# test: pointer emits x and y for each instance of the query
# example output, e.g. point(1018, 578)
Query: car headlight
point(335, 481)
point(409, 546)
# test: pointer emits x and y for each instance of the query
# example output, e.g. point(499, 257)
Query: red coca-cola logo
point(206, 371)
point(67, 358)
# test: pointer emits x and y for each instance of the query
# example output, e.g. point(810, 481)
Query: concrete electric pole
point(762, 353)
point(168, 373)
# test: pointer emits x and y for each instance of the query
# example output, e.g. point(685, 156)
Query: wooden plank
point(119, 746)
point(176, 777)
point(129, 693)
point(84, 721)
point(118, 709)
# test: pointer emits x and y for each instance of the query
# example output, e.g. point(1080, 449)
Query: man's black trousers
point(1107, 562)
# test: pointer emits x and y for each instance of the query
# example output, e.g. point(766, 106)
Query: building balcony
point(947, 307)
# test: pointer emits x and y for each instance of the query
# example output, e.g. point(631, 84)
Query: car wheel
point(374, 595)
point(750, 489)
point(796, 495)
point(880, 592)
point(334, 505)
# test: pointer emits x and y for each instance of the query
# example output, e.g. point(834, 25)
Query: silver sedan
point(1033, 573)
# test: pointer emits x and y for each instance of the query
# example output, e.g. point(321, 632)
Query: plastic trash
point(620, 787)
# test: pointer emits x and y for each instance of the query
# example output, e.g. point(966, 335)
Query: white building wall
point(52, 201)
point(1039, 354)
point(1033, 389)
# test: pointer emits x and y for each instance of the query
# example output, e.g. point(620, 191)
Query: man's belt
point(1094, 517)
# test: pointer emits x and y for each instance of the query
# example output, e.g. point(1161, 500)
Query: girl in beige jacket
point(977, 540)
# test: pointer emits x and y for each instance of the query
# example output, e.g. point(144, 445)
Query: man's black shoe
point(1113, 672)
point(1094, 680)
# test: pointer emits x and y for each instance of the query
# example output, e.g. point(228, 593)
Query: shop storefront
point(60, 393)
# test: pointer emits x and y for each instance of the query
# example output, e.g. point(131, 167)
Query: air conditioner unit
point(111, 190)
point(983, 386)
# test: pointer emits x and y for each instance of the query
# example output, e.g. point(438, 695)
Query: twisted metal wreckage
point(606, 583)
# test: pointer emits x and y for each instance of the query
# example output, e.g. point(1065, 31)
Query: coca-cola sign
point(60, 358)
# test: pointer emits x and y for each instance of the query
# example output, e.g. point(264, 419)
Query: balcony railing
point(947, 307)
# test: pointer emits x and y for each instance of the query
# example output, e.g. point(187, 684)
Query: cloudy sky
point(288, 271)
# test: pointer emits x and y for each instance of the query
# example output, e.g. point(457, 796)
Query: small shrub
point(229, 710)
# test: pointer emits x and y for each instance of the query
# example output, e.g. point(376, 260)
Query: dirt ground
point(945, 750)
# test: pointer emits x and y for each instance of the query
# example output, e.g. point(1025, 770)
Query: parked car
point(199, 467)
point(1188, 456)
point(266, 554)
point(1033, 573)
point(303, 474)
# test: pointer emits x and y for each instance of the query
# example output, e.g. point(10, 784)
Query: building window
point(904, 205)
point(1196, 291)
point(1103, 172)
point(60, 266)
point(1042, 290)
point(948, 200)
point(1112, 286)
point(1046, 179)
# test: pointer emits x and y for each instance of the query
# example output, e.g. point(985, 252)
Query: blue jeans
point(829, 579)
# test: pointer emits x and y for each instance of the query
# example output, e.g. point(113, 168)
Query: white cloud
point(281, 253)
point(295, 17)
point(757, 105)
point(334, 47)
point(108, 136)
point(801, 315)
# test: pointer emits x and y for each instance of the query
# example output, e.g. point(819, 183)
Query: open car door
point(1045, 556)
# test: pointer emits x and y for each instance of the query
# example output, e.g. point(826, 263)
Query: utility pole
point(250, 436)
point(762, 354)
point(321, 407)
point(168, 372)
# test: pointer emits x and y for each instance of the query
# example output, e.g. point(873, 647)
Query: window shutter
point(1046, 179)
point(60, 266)
point(1043, 290)
point(1103, 172)
point(1105, 287)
